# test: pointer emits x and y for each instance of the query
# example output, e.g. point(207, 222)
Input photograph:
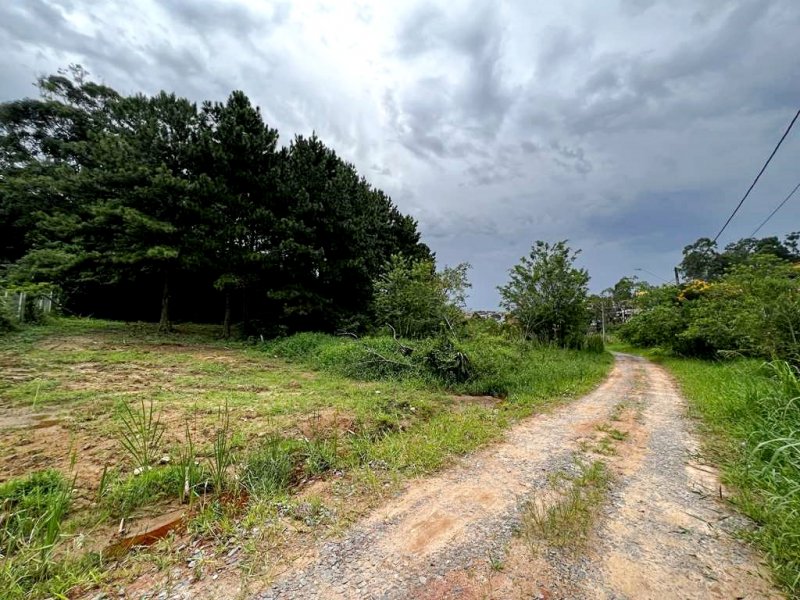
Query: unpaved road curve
point(664, 533)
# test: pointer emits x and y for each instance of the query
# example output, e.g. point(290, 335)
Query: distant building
point(495, 315)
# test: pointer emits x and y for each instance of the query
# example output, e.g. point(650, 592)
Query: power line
point(777, 208)
point(651, 273)
point(752, 185)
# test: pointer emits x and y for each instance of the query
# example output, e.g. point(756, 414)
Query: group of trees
point(747, 302)
point(120, 205)
point(546, 298)
point(124, 202)
point(703, 261)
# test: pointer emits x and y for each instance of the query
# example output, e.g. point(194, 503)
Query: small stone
point(423, 580)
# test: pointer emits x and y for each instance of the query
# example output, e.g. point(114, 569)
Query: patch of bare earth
point(664, 533)
point(79, 437)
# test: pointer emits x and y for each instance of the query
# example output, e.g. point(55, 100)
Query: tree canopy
point(547, 294)
point(702, 260)
point(137, 206)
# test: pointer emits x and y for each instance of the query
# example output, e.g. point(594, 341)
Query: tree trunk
point(226, 322)
point(164, 326)
point(245, 316)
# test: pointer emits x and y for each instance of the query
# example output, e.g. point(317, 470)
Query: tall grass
point(271, 467)
point(32, 510)
point(222, 451)
point(753, 412)
point(31, 513)
point(482, 364)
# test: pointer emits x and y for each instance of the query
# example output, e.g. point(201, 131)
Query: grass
point(32, 510)
point(272, 467)
point(522, 373)
point(566, 521)
point(126, 493)
point(264, 418)
point(751, 411)
point(140, 434)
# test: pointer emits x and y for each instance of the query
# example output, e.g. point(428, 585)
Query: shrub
point(753, 310)
point(448, 363)
point(416, 300)
point(303, 346)
point(594, 343)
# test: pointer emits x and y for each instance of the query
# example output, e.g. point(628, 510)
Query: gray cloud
point(629, 127)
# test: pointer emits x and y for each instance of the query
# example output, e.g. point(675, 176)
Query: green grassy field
point(300, 436)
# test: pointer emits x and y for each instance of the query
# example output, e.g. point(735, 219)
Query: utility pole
point(603, 318)
point(677, 279)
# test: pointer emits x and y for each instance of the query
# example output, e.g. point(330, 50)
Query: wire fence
point(21, 304)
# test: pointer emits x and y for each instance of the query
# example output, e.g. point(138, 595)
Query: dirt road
point(663, 533)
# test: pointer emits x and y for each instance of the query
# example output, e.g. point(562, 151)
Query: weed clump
point(566, 522)
point(140, 433)
point(31, 510)
point(271, 468)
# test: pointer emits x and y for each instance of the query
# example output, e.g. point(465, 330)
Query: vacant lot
point(253, 455)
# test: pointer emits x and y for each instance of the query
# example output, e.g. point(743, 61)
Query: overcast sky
point(630, 128)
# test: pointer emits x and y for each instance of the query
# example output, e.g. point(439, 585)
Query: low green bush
point(594, 343)
point(447, 362)
point(752, 310)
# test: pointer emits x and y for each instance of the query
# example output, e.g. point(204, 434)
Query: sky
point(630, 128)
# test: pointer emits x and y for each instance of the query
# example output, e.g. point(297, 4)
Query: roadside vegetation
point(751, 410)
point(730, 337)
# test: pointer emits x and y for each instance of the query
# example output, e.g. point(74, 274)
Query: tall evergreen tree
point(119, 194)
point(241, 162)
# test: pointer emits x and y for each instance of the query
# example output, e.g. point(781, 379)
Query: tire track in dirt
point(667, 534)
point(664, 535)
point(450, 522)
